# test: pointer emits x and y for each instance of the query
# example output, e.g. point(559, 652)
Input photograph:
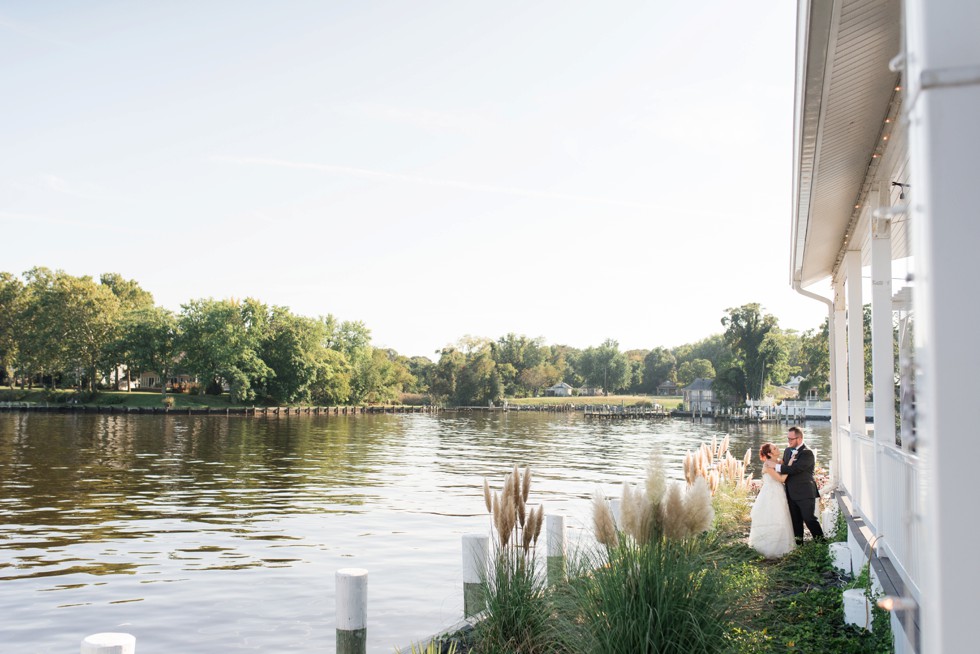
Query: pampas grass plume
point(486, 495)
point(526, 484)
point(602, 517)
point(698, 510)
point(538, 521)
point(672, 512)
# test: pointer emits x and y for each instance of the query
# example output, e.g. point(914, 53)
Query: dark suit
point(801, 491)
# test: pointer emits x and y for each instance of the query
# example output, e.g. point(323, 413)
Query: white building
point(560, 389)
point(886, 163)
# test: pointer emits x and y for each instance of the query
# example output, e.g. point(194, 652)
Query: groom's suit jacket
point(799, 484)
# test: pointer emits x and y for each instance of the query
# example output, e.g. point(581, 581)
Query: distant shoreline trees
point(58, 331)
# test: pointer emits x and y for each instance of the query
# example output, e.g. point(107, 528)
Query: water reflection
point(233, 527)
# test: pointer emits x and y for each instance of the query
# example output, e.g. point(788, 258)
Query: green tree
point(605, 366)
point(11, 307)
point(131, 295)
point(815, 360)
point(659, 365)
point(540, 376)
point(292, 348)
point(688, 371)
point(73, 322)
point(150, 341)
point(446, 374)
point(755, 341)
point(222, 340)
point(479, 381)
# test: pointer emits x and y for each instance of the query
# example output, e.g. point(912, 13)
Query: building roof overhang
point(844, 88)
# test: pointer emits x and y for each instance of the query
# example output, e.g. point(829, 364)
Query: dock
point(624, 412)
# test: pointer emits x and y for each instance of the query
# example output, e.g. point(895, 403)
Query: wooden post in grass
point(109, 643)
point(476, 553)
point(352, 610)
point(555, 533)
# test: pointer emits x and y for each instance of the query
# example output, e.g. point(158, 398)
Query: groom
point(801, 490)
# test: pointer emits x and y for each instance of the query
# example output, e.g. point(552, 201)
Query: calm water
point(209, 534)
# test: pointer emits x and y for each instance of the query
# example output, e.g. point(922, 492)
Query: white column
point(882, 348)
point(855, 342)
point(838, 367)
point(882, 325)
point(943, 102)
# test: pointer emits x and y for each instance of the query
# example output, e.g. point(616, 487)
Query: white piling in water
point(616, 506)
point(351, 601)
point(476, 554)
point(109, 643)
point(555, 535)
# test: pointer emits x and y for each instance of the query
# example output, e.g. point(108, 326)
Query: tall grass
point(661, 597)
point(517, 609)
point(516, 617)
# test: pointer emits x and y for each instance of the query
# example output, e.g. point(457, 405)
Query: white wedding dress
point(772, 529)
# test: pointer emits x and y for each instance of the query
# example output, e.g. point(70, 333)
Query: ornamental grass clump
point(717, 466)
point(663, 597)
point(517, 611)
point(659, 509)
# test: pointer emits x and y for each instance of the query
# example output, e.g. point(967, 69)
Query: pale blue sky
point(572, 170)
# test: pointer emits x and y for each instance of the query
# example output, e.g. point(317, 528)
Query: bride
point(772, 529)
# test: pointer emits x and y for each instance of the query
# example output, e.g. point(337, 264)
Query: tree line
point(59, 330)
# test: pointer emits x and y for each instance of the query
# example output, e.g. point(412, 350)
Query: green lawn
point(627, 400)
point(114, 398)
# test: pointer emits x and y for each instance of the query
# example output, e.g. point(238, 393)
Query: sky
point(575, 171)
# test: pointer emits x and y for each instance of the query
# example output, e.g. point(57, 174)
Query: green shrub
point(517, 612)
point(662, 597)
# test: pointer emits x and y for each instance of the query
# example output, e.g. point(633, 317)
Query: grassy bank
point(617, 400)
point(653, 589)
point(113, 398)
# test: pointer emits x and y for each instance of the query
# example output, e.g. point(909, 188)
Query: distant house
point(699, 397)
point(151, 379)
point(559, 390)
point(589, 390)
point(668, 388)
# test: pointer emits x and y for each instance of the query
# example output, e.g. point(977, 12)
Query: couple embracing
point(787, 499)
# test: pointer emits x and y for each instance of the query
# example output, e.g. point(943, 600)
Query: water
point(207, 534)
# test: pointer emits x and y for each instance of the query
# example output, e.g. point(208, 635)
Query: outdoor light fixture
point(901, 195)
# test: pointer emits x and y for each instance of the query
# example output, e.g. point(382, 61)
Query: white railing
point(892, 510)
point(901, 525)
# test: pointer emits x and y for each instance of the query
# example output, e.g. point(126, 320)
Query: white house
point(885, 209)
point(559, 390)
point(699, 396)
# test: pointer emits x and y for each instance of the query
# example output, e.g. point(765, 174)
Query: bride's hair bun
point(766, 450)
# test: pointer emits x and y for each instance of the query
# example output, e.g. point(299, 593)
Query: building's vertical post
point(476, 554)
point(555, 537)
point(351, 601)
point(882, 343)
point(942, 94)
point(838, 385)
point(109, 643)
point(855, 342)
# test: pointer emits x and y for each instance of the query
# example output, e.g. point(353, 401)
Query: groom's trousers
point(803, 512)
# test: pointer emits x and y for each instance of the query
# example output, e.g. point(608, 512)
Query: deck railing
point(891, 510)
